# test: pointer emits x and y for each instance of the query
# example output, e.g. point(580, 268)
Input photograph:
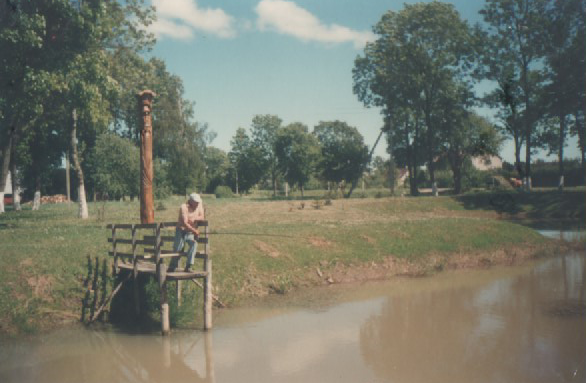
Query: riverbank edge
point(392, 267)
point(326, 274)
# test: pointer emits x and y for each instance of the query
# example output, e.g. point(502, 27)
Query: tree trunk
point(528, 129)
point(352, 186)
point(15, 186)
point(15, 178)
point(518, 166)
point(6, 157)
point(456, 164)
point(37, 198)
point(430, 147)
point(301, 187)
point(83, 210)
point(392, 180)
point(528, 162)
point(561, 151)
point(412, 168)
point(237, 193)
point(67, 176)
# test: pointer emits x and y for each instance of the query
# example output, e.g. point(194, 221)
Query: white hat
point(195, 197)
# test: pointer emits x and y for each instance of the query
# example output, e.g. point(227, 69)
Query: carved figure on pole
point(147, 212)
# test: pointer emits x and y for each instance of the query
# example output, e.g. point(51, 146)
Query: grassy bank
point(263, 246)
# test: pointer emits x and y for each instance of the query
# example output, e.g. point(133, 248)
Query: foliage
point(117, 167)
point(421, 55)
point(217, 165)
point(468, 136)
point(297, 153)
point(512, 55)
point(264, 132)
point(343, 152)
point(247, 161)
point(222, 191)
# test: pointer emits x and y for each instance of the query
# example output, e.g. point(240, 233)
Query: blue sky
point(293, 59)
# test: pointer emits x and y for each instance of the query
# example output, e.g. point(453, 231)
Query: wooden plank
point(129, 225)
point(142, 267)
point(164, 225)
point(198, 255)
point(182, 275)
point(127, 241)
point(130, 255)
point(171, 238)
point(173, 224)
point(149, 268)
point(152, 251)
point(170, 255)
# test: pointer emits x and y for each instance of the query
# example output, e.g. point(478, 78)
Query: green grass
point(258, 245)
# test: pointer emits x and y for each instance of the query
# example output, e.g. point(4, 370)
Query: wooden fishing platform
point(144, 248)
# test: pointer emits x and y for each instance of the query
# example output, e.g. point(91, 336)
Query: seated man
point(186, 231)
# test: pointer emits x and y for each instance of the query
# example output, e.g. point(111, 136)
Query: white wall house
point(487, 162)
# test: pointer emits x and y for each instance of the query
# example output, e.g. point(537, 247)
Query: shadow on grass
point(537, 205)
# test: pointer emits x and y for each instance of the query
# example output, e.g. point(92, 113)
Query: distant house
point(403, 174)
point(487, 162)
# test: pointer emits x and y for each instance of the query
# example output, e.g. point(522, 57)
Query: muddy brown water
point(511, 324)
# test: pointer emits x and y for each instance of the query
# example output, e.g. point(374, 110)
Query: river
point(503, 324)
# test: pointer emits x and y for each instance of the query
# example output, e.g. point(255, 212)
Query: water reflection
point(504, 331)
point(94, 356)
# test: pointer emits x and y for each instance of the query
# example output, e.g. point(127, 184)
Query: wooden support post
point(178, 293)
point(165, 327)
point(135, 273)
point(207, 290)
point(136, 297)
point(116, 269)
point(167, 352)
point(209, 353)
point(207, 295)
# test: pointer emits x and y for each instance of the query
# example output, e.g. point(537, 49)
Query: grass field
point(262, 246)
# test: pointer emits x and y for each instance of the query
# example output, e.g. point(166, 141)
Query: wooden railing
point(143, 248)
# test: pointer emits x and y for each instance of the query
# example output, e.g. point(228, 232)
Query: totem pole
point(145, 103)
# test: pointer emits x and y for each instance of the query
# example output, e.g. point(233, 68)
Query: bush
point(472, 177)
point(223, 191)
point(444, 179)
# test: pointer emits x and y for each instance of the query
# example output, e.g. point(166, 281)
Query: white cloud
point(288, 18)
point(180, 18)
point(164, 27)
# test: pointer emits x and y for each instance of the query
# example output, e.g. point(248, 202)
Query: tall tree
point(516, 28)
point(563, 91)
point(405, 143)
point(217, 167)
point(264, 131)
point(343, 152)
point(297, 153)
point(57, 48)
point(418, 51)
point(116, 161)
point(247, 160)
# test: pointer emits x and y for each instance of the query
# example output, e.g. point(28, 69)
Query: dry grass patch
point(267, 249)
point(320, 242)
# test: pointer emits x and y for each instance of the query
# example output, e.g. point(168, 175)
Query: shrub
point(223, 191)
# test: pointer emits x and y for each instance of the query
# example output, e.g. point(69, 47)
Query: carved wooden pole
point(145, 103)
